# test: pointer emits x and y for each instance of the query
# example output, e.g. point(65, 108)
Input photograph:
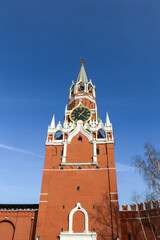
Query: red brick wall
point(17, 225)
point(79, 150)
point(140, 225)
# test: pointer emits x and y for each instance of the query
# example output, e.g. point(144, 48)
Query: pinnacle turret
point(108, 123)
point(53, 121)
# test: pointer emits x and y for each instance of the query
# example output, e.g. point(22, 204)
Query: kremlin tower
point(79, 177)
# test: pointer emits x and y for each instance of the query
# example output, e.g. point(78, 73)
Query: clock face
point(80, 113)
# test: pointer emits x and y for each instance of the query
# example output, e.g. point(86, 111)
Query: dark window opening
point(79, 167)
point(61, 229)
point(63, 207)
point(78, 188)
point(72, 91)
point(97, 151)
point(62, 152)
point(93, 229)
point(79, 138)
point(93, 207)
point(129, 236)
point(61, 168)
point(97, 167)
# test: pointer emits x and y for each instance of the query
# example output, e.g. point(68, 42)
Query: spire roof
point(82, 74)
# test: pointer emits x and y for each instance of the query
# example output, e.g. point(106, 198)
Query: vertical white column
point(86, 87)
point(94, 92)
point(86, 223)
point(64, 152)
point(94, 151)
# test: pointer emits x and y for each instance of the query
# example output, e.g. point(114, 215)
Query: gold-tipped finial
point(82, 61)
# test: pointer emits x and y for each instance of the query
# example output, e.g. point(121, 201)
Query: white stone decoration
point(70, 235)
point(87, 129)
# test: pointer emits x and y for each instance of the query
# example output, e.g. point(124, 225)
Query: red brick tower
point(79, 198)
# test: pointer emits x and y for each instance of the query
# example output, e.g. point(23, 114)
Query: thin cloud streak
point(119, 166)
point(124, 168)
point(19, 150)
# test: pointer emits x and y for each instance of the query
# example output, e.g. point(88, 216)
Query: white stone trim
point(62, 170)
point(57, 142)
point(64, 152)
point(43, 193)
point(94, 152)
point(113, 192)
point(78, 208)
point(138, 218)
point(78, 236)
point(114, 200)
point(43, 201)
point(79, 128)
point(78, 163)
point(70, 235)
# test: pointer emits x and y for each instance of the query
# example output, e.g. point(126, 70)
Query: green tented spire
point(82, 74)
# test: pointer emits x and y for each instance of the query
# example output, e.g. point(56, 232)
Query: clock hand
point(81, 113)
point(84, 116)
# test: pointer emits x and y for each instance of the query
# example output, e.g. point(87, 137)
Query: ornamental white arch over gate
point(70, 235)
point(78, 208)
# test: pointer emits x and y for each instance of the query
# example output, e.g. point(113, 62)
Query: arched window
point(62, 152)
point(97, 150)
point(72, 90)
point(81, 87)
point(59, 135)
point(90, 88)
point(80, 138)
point(101, 134)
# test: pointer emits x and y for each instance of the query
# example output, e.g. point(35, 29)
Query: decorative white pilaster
point(94, 152)
point(64, 152)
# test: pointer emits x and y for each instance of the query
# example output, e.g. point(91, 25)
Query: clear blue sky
point(41, 43)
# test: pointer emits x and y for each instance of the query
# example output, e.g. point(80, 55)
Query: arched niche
point(86, 235)
point(6, 230)
point(76, 209)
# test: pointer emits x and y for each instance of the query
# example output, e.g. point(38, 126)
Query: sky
point(41, 43)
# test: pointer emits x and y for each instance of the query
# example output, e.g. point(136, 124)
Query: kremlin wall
point(141, 221)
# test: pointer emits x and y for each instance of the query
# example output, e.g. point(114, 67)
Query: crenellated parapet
point(142, 206)
point(141, 221)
